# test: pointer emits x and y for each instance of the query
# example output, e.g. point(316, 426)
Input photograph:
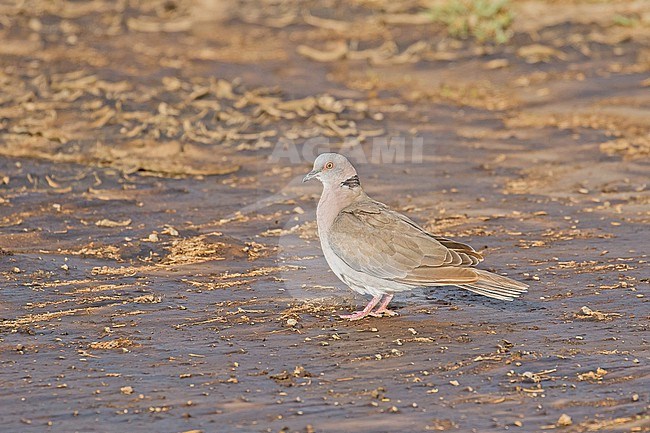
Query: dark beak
point(312, 174)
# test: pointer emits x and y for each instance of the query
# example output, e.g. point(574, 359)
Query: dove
point(379, 252)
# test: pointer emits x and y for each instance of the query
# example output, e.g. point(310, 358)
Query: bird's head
point(333, 169)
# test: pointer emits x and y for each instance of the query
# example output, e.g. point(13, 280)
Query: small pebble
point(564, 420)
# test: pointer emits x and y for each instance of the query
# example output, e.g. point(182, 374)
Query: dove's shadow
point(446, 296)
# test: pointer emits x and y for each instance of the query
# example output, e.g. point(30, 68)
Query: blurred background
point(179, 87)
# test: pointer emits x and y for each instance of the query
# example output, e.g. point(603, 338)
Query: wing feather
point(371, 238)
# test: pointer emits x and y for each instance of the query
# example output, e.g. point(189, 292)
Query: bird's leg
point(383, 310)
point(363, 313)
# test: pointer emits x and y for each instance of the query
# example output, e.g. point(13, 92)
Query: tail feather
point(491, 289)
point(495, 286)
point(490, 294)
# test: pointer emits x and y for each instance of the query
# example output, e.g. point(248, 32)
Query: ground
point(160, 263)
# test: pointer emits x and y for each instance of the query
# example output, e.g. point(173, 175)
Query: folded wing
point(373, 239)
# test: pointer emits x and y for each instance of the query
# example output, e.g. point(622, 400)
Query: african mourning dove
point(377, 251)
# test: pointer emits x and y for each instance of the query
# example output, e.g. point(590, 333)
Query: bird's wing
point(371, 238)
point(469, 255)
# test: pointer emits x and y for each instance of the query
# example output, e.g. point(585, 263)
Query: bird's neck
point(334, 199)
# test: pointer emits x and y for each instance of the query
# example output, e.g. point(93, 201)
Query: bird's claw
point(384, 312)
point(357, 315)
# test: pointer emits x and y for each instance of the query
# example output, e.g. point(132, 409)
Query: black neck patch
point(352, 182)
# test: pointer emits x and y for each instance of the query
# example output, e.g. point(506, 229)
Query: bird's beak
point(312, 174)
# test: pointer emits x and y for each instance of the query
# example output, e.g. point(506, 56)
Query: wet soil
point(159, 258)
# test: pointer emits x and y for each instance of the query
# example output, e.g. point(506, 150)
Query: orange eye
point(329, 165)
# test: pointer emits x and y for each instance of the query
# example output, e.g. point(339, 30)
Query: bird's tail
point(495, 286)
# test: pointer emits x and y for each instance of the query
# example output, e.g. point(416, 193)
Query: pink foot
point(357, 315)
point(363, 313)
point(381, 312)
point(383, 308)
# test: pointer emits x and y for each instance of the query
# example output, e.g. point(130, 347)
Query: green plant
point(625, 21)
point(484, 20)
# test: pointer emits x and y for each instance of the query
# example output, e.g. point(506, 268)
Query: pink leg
point(361, 314)
point(383, 310)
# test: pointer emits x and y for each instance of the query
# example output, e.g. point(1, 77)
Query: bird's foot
point(357, 315)
point(383, 307)
point(381, 312)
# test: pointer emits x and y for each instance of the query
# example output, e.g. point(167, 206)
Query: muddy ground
point(161, 270)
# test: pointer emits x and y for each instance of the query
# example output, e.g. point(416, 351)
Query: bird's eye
point(329, 165)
